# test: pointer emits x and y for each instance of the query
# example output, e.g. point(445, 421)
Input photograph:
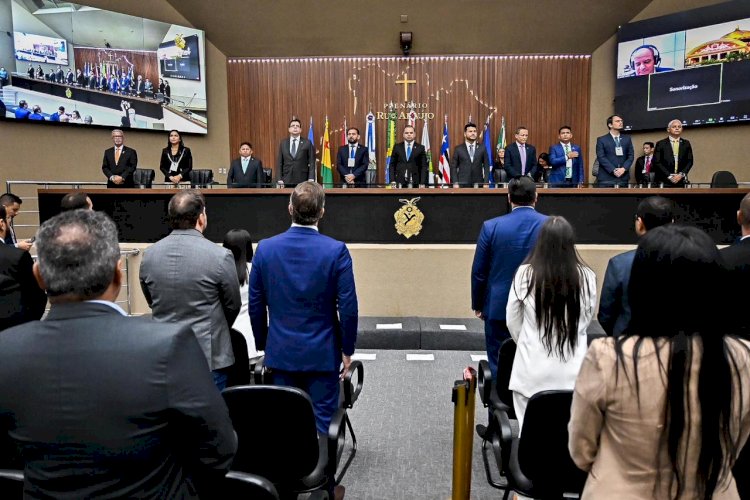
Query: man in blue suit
point(566, 161)
point(520, 158)
point(614, 152)
point(504, 243)
point(614, 305)
point(352, 160)
point(303, 304)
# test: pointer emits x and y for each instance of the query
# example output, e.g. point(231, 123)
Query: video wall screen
point(693, 66)
point(71, 64)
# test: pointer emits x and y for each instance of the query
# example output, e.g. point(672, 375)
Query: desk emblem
point(409, 218)
point(68, 93)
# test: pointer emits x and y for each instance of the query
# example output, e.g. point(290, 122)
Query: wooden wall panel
point(541, 92)
point(144, 62)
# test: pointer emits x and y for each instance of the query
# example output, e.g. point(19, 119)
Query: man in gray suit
point(103, 405)
point(190, 280)
point(470, 164)
point(295, 161)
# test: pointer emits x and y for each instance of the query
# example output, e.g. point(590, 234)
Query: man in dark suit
point(119, 162)
point(60, 75)
point(352, 160)
point(295, 161)
point(245, 171)
point(139, 86)
point(409, 161)
point(566, 160)
point(737, 260)
point(614, 304)
point(21, 299)
point(12, 204)
point(303, 304)
point(614, 152)
point(673, 157)
point(644, 165)
point(470, 164)
point(520, 158)
point(111, 406)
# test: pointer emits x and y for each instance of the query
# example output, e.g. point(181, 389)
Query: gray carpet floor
point(404, 425)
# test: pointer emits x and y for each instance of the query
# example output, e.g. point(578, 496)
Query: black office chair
point(239, 372)
point(278, 439)
point(201, 177)
point(143, 177)
point(723, 179)
point(241, 485)
point(11, 484)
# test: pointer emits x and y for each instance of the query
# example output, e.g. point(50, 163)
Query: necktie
point(294, 148)
point(648, 164)
point(244, 165)
point(408, 152)
point(568, 163)
point(617, 141)
point(522, 151)
point(351, 152)
point(471, 152)
point(117, 156)
point(676, 153)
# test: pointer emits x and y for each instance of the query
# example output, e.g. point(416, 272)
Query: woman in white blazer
point(550, 306)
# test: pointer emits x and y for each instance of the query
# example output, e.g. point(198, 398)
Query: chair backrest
point(723, 179)
point(543, 446)
point(239, 372)
point(276, 431)
point(201, 177)
point(11, 484)
point(504, 367)
point(144, 177)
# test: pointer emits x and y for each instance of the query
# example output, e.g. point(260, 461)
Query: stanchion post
point(463, 397)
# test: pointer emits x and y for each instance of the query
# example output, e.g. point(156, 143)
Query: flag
point(412, 118)
point(310, 135)
point(501, 136)
point(372, 167)
point(326, 174)
point(390, 142)
point(426, 144)
point(488, 147)
point(444, 164)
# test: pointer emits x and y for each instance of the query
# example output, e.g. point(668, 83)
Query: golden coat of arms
point(409, 218)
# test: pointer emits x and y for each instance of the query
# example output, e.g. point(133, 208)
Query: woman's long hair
point(674, 292)
point(238, 241)
point(556, 280)
point(169, 144)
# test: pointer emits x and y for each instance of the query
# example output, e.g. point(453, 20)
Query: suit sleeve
point(164, 164)
point(186, 166)
point(341, 164)
point(601, 155)
point(132, 164)
point(578, 166)
point(688, 158)
point(364, 162)
point(557, 156)
point(531, 166)
point(486, 165)
point(199, 410)
point(311, 162)
point(392, 164)
point(423, 167)
point(610, 300)
point(347, 301)
point(257, 303)
point(143, 279)
point(33, 297)
point(230, 176)
point(659, 161)
point(278, 174)
point(106, 166)
point(260, 178)
point(229, 288)
point(629, 155)
point(480, 270)
point(454, 165)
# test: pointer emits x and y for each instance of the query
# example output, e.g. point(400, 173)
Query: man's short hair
point(649, 144)
point(307, 201)
point(118, 130)
point(409, 126)
point(295, 120)
point(655, 211)
point(78, 254)
point(564, 127)
point(74, 201)
point(353, 128)
point(468, 125)
point(184, 209)
point(522, 191)
point(61, 108)
point(610, 118)
point(518, 129)
point(745, 210)
point(9, 198)
point(245, 143)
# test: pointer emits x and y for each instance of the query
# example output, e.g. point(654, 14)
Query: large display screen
point(693, 66)
point(71, 64)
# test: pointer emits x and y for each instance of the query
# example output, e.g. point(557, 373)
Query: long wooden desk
point(600, 216)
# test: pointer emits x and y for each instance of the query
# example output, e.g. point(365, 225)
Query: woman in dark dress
point(176, 160)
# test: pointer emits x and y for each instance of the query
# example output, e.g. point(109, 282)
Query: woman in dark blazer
point(176, 160)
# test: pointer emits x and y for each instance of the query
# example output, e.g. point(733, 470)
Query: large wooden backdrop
point(144, 62)
point(541, 92)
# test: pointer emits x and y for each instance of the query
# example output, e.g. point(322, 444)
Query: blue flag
point(488, 147)
point(310, 135)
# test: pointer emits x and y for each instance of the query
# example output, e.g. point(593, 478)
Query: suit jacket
point(21, 299)
point(466, 172)
point(614, 305)
point(558, 160)
point(609, 161)
point(305, 281)
point(189, 280)
point(504, 242)
point(111, 406)
point(663, 162)
point(640, 164)
point(361, 162)
point(125, 167)
point(184, 165)
point(616, 436)
point(513, 160)
point(292, 171)
point(253, 178)
point(414, 170)
point(737, 261)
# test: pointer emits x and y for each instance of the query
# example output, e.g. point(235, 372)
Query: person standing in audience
point(119, 162)
point(295, 161)
point(614, 152)
point(644, 164)
point(409, 161)
point(352, 160)
point(12, 204)
point(303, 304)
point(470, 164)
point(75, 201)
point(176, 160)
point(614, 306)
point(238, 242)
point(520, 157)
point(673, 157)
point(737, 260)
point(550, 306)
point(663, 410)
point(188, 279)
point(102, 405)
point(21, 299)
point(245, 171)
point(566, 160)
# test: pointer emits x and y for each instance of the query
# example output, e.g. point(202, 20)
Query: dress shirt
point(311, 226)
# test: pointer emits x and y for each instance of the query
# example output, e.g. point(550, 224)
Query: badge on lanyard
point(618, 151)
point(350, 163)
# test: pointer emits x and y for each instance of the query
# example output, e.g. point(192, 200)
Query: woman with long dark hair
point(662, 411)
point(176, 160)
point(550, 306)
point(238, 241)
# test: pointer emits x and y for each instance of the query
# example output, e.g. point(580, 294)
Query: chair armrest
point(255, 363)
point(484, 382)
point(259, 370)
point(351, 394)
point(506, 431)
point(258, 481)
point(336, 440)
point(12, 474)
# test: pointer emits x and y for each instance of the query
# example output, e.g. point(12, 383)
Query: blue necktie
point(244, 165)
point(408, 152)
point(351, 152)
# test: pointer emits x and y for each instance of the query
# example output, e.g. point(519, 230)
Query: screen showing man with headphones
point(645, 60)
